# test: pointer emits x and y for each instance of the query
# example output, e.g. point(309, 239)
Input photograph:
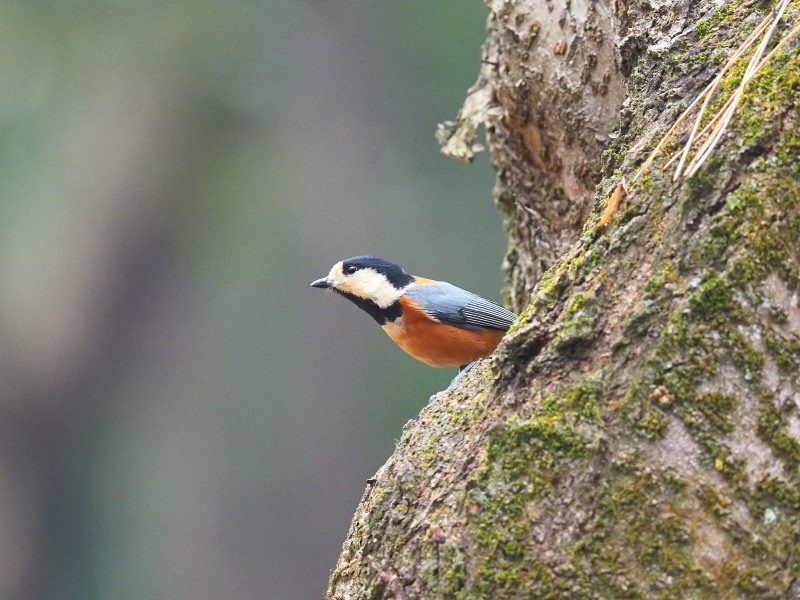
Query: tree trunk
point(637, 433)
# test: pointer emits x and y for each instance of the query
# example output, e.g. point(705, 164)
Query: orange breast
point(437, 344)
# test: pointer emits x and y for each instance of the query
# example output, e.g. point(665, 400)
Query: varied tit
point(434, 321)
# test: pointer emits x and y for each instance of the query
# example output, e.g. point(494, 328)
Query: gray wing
point(460, 308)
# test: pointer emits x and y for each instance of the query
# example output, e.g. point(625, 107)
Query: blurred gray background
point(183, 417)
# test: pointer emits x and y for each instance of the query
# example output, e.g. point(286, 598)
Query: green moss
point(721, 236)
point(707, 25)
point(713, 299)
point(700, 187)
point(772, 429)
point(589, 260)
point(778, 80)
point(552, 283)
point(748, 242)
point(641, 410)
point(524, 461)
point(528, 451)
point(785, 350)
point(442, 565)
point(774, 491)
point(648, 537)
point(375, 589)
point(745, 356)
point(651, 423)
point(750, 580)
point(665, 278)
point(576, 324)
point(714, 501)
point(717, 407)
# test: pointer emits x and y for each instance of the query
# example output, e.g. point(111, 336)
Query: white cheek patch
point(375, 287)
point(366, 283)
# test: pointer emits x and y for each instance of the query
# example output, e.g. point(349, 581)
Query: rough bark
point(637, 434)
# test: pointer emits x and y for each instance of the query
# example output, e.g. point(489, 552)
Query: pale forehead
point(336, 269)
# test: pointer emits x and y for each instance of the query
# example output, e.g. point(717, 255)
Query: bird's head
point(367, 278)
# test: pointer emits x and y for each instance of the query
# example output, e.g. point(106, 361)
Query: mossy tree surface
point(637, 434)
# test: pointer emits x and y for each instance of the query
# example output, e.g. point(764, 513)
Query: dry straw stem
point(720, 121)
point(709, 92)
point(753, 67)
point(705, 93)
point(708, 126)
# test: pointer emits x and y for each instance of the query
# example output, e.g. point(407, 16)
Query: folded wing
point(457, 307)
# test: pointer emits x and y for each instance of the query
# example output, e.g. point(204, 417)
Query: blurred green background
point(183, 417)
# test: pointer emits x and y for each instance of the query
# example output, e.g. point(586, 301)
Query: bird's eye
point(350, 269)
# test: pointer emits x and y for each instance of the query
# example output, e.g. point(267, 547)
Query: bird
point(434, 321)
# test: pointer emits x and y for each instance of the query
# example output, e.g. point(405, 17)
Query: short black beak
point(321, 283)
